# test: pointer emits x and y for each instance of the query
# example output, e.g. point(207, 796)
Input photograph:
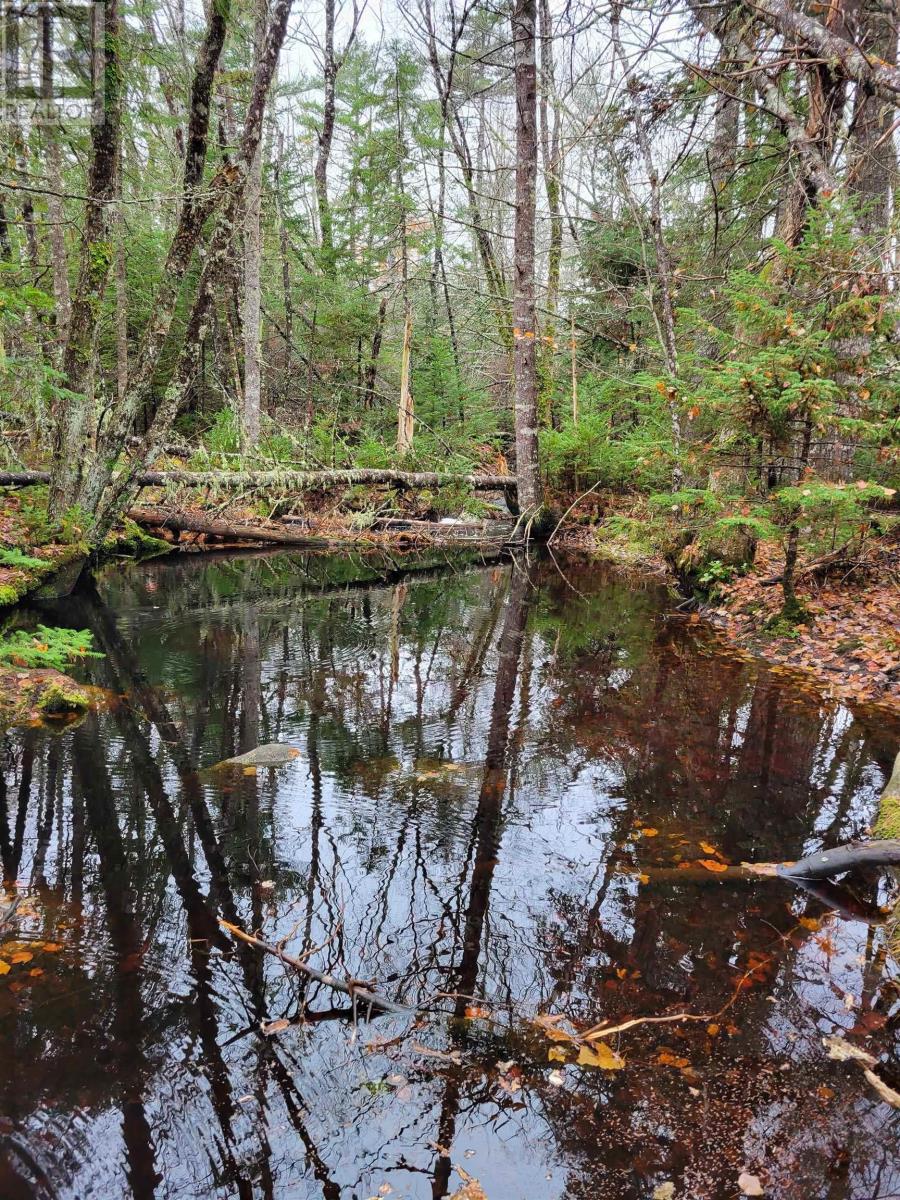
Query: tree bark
point(524, 15)
point(326, 136)
point(253, 266)
point(872, 151)
point(664, 286)
point(882, 78)
point(71, 416)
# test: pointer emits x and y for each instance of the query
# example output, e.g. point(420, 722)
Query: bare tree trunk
point(405, 413)
point(253, 267)
point(873, 153)
point(326, 136)
point(524, 15)
point(551, 152)
point(71, 416)
point(372, 365)
point(455, 126)
point(56, 218)
point(121, 286)
point(664, 288)
point(285, 272)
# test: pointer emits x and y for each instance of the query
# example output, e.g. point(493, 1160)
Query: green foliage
point(622, 440)
point(14, 557)
point(48, 646)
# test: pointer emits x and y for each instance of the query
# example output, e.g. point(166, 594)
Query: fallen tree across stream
point(237, 531)
point(294, 480)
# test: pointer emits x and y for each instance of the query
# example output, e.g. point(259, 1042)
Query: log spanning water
point(298, 480)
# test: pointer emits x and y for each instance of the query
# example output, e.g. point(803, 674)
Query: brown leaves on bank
point(850, 642)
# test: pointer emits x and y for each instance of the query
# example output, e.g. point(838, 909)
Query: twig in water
point(350, 987)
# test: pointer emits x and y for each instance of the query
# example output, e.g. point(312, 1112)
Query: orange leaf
point(707, 848)
point(21, 956)
point(711, 864)
point(648, 831)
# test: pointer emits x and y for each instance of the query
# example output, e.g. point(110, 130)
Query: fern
point(47, 647)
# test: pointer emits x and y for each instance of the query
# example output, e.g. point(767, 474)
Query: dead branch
point(350, 987)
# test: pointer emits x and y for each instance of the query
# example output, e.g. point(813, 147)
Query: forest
point(647, 254)
point(449, 599)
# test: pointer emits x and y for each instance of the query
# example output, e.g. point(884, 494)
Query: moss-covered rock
point(40, 695)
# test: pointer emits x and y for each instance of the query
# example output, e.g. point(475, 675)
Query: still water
point(509, 780)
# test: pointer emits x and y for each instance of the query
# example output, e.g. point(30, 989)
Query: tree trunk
point(71, 416)
point(524, 315)
point(253, 267)
point(56, 218)
point(162, 411)
point(285, 273)
point(372, 365)
point(664, 287)
point(326, 136)
point(872, 151)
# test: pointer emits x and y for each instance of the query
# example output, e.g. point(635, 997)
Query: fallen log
point(828, 863)
point(292, 480)
point(184, 522)
point(350, 987)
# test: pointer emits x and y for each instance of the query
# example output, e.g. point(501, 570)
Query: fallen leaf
point(21, 956)
point(643, 878)
point(4, 967)
point(712, 1029)
point(600, 1055)
point(35, 972)
point(667, 1059)
point(824, 1092)
point(810, 922)
point(750, 1185)
point(52, 947)
point(707, 848)
point(249, 770)
point(648, 831)
point(556, 1054)
point(711, 864)
point(271, 1027)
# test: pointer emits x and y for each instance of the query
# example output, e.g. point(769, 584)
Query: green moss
point(59, 699)
point(887, 821)
point(132, 542)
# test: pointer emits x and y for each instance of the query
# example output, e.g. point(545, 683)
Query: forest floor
point(851, 640)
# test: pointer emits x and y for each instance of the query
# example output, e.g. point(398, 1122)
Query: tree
point(524, 19)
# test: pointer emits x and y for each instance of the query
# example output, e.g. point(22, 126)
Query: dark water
point(500, 772)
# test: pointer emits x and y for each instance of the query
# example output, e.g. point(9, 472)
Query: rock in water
point(273, 754)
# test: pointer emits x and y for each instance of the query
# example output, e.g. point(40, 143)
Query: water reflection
point(502, 772)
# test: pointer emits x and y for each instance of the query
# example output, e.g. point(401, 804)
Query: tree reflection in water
point(492, 762)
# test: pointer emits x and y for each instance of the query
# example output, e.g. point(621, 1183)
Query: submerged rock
point(273, 754)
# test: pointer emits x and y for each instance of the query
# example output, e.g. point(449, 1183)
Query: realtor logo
point(52, 62)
